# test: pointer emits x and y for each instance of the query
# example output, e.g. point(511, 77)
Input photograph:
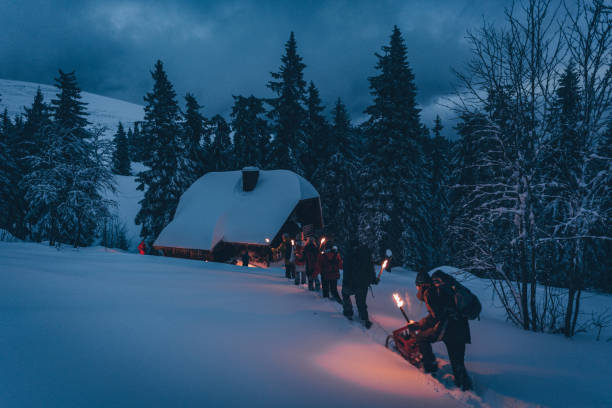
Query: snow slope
point(95, 327)
point(103, 111)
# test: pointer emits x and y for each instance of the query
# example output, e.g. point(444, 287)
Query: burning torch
point(400, 303)
point(323, 239)
point(385, 262)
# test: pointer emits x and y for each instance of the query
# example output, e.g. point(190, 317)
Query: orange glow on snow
point(376, 369)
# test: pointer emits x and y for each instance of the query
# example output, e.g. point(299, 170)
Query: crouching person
point(330, 264)
point(358, 276)
point(442, 323)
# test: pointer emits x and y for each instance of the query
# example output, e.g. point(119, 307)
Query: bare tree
point(510, 83)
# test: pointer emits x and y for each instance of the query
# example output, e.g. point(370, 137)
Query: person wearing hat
point(330, 263)
point(442, 323)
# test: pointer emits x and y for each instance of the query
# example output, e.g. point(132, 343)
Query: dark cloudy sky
point(216, 49)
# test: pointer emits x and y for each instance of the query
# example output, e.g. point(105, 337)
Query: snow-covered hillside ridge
point(103, 111)
point(97, 327)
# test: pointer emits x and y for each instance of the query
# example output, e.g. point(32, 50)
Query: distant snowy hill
point(103, 111)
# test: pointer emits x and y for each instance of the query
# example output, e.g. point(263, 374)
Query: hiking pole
point(400, 303)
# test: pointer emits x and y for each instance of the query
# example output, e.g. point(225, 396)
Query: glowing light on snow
point(398, 300)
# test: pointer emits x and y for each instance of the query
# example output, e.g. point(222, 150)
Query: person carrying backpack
point(444, 322)
point(358, 275)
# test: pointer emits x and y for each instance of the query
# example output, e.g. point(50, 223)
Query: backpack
point(466, 302)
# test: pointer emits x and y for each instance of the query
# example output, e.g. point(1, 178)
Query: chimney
point(250, 175)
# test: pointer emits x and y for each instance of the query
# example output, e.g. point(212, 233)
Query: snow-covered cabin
point(236, 209)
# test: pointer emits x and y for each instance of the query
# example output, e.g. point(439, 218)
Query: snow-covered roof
point(215, 208)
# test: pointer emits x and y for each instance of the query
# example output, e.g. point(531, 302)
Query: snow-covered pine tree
point(316, 129)
point(7, 172)
point(288, 113)
point(64, 186)
point(394, 198)
point(337, 179)
point(437, 153)
point(220, 153)
point(193, 133)
point(121, 155)
point(251, 132)
point(162, 183)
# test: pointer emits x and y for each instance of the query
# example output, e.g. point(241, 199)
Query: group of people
point(442, 323)
point(306, 261)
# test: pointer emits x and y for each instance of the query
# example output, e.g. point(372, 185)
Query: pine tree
point(437, 154)
point(316, 130)
point(69, 111)
point(193, 133)
point(337, 181)
point(121, 155)
point(7, 172)
point(130, 142)
point(251, 132)
point(162, 183)
point(288, 113)
point(220, 154)
point(394, 213)
point(137, 144)
point(64, 185)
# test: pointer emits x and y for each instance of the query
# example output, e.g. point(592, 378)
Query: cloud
point(216, 49)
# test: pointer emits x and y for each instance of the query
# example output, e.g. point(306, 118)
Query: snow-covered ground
point(103, 111)
point(96, 327)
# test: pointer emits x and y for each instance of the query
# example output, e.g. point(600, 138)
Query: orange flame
point(323, 240)
point(384, 265)
point(398, 300)
point(292, 242)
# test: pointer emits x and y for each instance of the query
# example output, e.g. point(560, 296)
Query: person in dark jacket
point(358, 275)
point(442, 323)
point(329, 266)
point(245, 257)
point(311, 255)
point(286, 251)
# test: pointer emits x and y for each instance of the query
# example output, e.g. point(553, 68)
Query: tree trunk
point(576, 310)
point(571, 292)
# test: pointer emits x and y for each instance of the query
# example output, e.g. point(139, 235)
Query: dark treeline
point(522, 196)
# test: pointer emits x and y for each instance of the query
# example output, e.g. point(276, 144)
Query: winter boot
point(367, 324)
point(466, 382)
